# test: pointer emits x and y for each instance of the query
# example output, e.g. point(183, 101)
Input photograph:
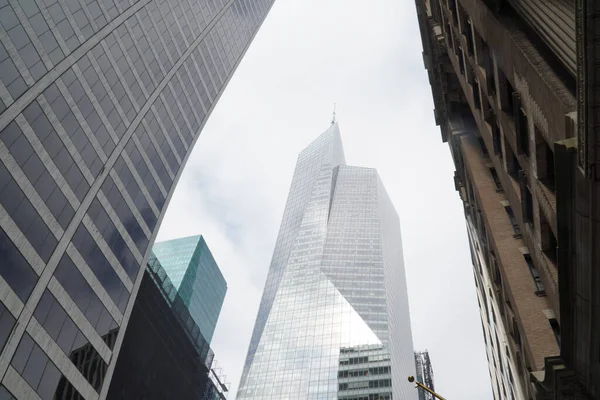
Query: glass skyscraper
point(101, 102)
point(424, 374)
point(195, 274)
point(336, 282)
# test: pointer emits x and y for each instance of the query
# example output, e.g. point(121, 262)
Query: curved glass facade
point(336, 282)
point(101, 103)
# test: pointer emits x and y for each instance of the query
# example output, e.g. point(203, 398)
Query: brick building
point(513, 85)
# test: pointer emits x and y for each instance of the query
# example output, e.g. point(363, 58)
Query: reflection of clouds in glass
point(326, 286)
point(195, 275)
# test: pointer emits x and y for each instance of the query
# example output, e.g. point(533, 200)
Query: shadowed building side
point(164, 354)
point(502, 74)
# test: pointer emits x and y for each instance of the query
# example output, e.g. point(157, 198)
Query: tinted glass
point(7, 323)
point(333, 297)
point(40, 373)
point(71, 340)
point(84, 297)
point(15, 270)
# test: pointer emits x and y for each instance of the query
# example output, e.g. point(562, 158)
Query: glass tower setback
point(195, 274)
point(336, 282)
point(101, 103)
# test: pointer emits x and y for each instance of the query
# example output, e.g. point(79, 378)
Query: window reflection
point(50, 314)
point(40, 373)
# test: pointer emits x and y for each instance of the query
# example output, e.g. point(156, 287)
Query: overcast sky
point(366, 56)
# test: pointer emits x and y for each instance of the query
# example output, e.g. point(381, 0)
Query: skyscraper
point(424, 374)
point(194, 273)
point(101, 102)
point(514, 86)
point(336, 281)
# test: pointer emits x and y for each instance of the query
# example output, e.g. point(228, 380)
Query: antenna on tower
point(333, 119)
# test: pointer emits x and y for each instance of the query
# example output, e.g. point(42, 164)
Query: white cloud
point(366, 56)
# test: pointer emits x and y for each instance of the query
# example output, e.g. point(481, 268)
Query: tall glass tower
point(195, 275)
point(336, 284)
point(101, 103)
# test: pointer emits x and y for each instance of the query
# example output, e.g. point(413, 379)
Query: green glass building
point(197, 278)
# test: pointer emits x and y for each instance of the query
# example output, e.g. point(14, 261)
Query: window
point(527, 200)
point(539, 285)
point(498, 352)
point(496, 179)
point(556, 329)
point(40, 373)
point(461, 60)
point(50, 314)
point(488, 111)
point(113, 238)
point(490, 70)
point(101, 267)
point(506, 96)
point(522, 127)
point(129, 221)
point(469, 36)
point(513, 221)
point(516, 335)
point(512, 162)
point(14, 268)
point(452, 7)
point(519, 364)
point(7, 322)
point(480, 49)
point(549, 243)
point(497, 275)
point(470, 75)
point(476, 93)
point(27, 219)
point(544, 159)
point(5, 394)
point(497, 137)
point(86, 299)
point(448, 30)
point(482, 146)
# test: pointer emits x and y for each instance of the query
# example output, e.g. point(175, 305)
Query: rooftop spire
point(333, 119)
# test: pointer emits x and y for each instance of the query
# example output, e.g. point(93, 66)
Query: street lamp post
point(425, 388)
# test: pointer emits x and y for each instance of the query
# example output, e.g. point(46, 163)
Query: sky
point(367, 59)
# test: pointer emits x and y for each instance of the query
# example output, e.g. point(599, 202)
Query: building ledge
point(557, 382)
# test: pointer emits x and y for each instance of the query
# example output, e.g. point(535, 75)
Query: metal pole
point(420, 385)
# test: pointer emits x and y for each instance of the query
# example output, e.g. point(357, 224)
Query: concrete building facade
point(512, 85)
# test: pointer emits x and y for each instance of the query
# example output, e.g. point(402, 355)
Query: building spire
point(333, 119)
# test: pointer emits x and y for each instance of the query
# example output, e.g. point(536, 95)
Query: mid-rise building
point(424, 374)
point(514, 85)
point(365, 373)
point(336, 282)
point(164, 353)
point(101, 103)
point(194, 273)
